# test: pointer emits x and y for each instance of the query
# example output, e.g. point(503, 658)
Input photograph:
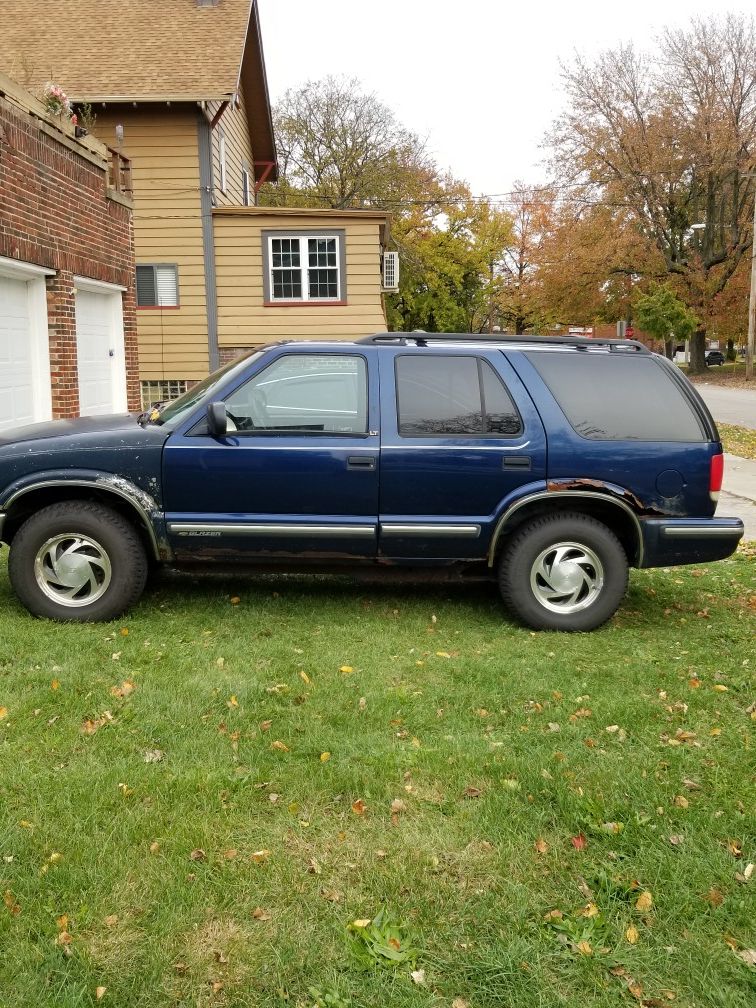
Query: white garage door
point(100, 354)
point(24, 350)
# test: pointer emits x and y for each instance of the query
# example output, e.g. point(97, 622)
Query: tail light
point(715, 476)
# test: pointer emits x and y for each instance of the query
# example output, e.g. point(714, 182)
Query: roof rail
point(577, 342)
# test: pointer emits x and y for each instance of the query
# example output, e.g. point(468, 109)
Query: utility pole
point(752, 299)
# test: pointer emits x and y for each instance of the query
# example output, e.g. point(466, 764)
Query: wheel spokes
point(72, 569)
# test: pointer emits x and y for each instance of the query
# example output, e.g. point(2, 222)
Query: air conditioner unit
point(390, 271)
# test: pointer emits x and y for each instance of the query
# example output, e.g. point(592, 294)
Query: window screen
point(157, 286)
point(618, 398)
point(304, 393)
point(452, 396)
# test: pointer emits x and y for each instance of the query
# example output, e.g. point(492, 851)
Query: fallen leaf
point(418, 976)
point(63, 938)
point(55, 684)
point(154, 847)
point(735, 848)
point(362, 922)
point(681, 801)
point(260, 856)
point(126, 688)
point(197, 855)
point(280, 746)
point(397, 806)
point(332, 895)
point(714, 897)
point(541, 846)
point(359, 806)
point(232, 701)
point(235, 600)
point(590, 910)
point(346, 669)
point(100, 993)
point(635, 989)
point(748, 956)
point(472, 792)
point(153, 755)
point(584, 948)
point(676, 839)
point(265, 725)
point(747, 874)
point(111, 920)
point(720, 688)
point(230, 854)
point(55, 857)
point(459, 1003)
point(10, 902)
point(632, 934)
point(324, 757)
point(644, 902)
point(362, 703)
point(579, 842)
point(305, 678)
point(553, 915)
point(261, 915)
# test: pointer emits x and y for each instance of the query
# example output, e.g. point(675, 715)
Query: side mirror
point(217, 422)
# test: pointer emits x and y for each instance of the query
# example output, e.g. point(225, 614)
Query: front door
point(297, 473)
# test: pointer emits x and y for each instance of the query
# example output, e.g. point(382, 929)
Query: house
point(67, 318)
point(179, 88)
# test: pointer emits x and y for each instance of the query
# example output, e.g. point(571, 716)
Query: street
point(738, 497)
point(733, 406)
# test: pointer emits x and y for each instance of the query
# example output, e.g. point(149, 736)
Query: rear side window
point(618, 398)
point(452, 396)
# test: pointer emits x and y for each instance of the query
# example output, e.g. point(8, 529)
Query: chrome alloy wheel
point(566, 577)
point(72, 569)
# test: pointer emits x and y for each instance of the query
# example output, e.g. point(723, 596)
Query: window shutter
point(167, 286)
point(145, 284)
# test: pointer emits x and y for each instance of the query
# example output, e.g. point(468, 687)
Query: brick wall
point(55, 212)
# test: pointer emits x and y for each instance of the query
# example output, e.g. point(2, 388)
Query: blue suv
point(550, 465)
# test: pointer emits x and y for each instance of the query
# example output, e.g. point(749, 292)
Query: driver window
point(304, 394)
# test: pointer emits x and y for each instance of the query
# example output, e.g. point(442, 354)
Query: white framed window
point(304, 267)
point(246, 187)
point(222, 159)
point(157, 285)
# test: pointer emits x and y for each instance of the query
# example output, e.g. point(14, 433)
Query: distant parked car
point(715, 357)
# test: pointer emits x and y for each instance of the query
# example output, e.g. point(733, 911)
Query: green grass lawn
point(198, 802)
point(738, 440)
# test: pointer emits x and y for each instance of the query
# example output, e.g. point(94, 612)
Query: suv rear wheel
point(564, 572)
point(77, 561)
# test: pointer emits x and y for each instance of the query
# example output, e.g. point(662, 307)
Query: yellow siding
point(163, 147)
point(235, 128)
point(244, 319)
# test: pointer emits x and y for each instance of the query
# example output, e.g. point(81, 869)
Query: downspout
point(208, 238)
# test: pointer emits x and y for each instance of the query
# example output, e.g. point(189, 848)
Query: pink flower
point(74, 120)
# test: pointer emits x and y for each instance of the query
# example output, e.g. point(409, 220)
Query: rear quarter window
point(613, 397)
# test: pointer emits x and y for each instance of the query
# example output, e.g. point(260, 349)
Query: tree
point(342, 148)
point(668, 141)
point(523, 306)
point(660, 312)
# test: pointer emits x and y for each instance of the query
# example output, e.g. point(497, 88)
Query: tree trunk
point(697, 364)
point(669, 349)
point(730, 355)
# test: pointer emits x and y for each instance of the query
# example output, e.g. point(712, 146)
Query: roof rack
point(424, 339)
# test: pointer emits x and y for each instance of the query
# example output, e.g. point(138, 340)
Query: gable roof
point(145, 51)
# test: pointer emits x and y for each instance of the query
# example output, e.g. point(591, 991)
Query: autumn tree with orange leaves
point(659, 148)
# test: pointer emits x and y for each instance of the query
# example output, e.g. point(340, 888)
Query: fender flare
point(145, 506)
point(608, 498)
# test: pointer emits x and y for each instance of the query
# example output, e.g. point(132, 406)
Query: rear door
point(297, 474)
point(460, 434)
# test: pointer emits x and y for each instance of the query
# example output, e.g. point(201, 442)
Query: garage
point(100, 348)
point(24, 350)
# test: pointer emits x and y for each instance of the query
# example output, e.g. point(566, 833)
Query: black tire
point(593, 581)
point(66, 542)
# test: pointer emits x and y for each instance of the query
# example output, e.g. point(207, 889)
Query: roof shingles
point(136, 49)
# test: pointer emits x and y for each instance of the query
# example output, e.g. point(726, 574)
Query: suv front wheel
point(564, 572)
point(77, 561)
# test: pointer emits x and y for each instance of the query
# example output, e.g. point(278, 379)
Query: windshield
point(176, 410)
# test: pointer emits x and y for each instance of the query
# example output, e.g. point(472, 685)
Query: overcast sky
point(478, 79)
